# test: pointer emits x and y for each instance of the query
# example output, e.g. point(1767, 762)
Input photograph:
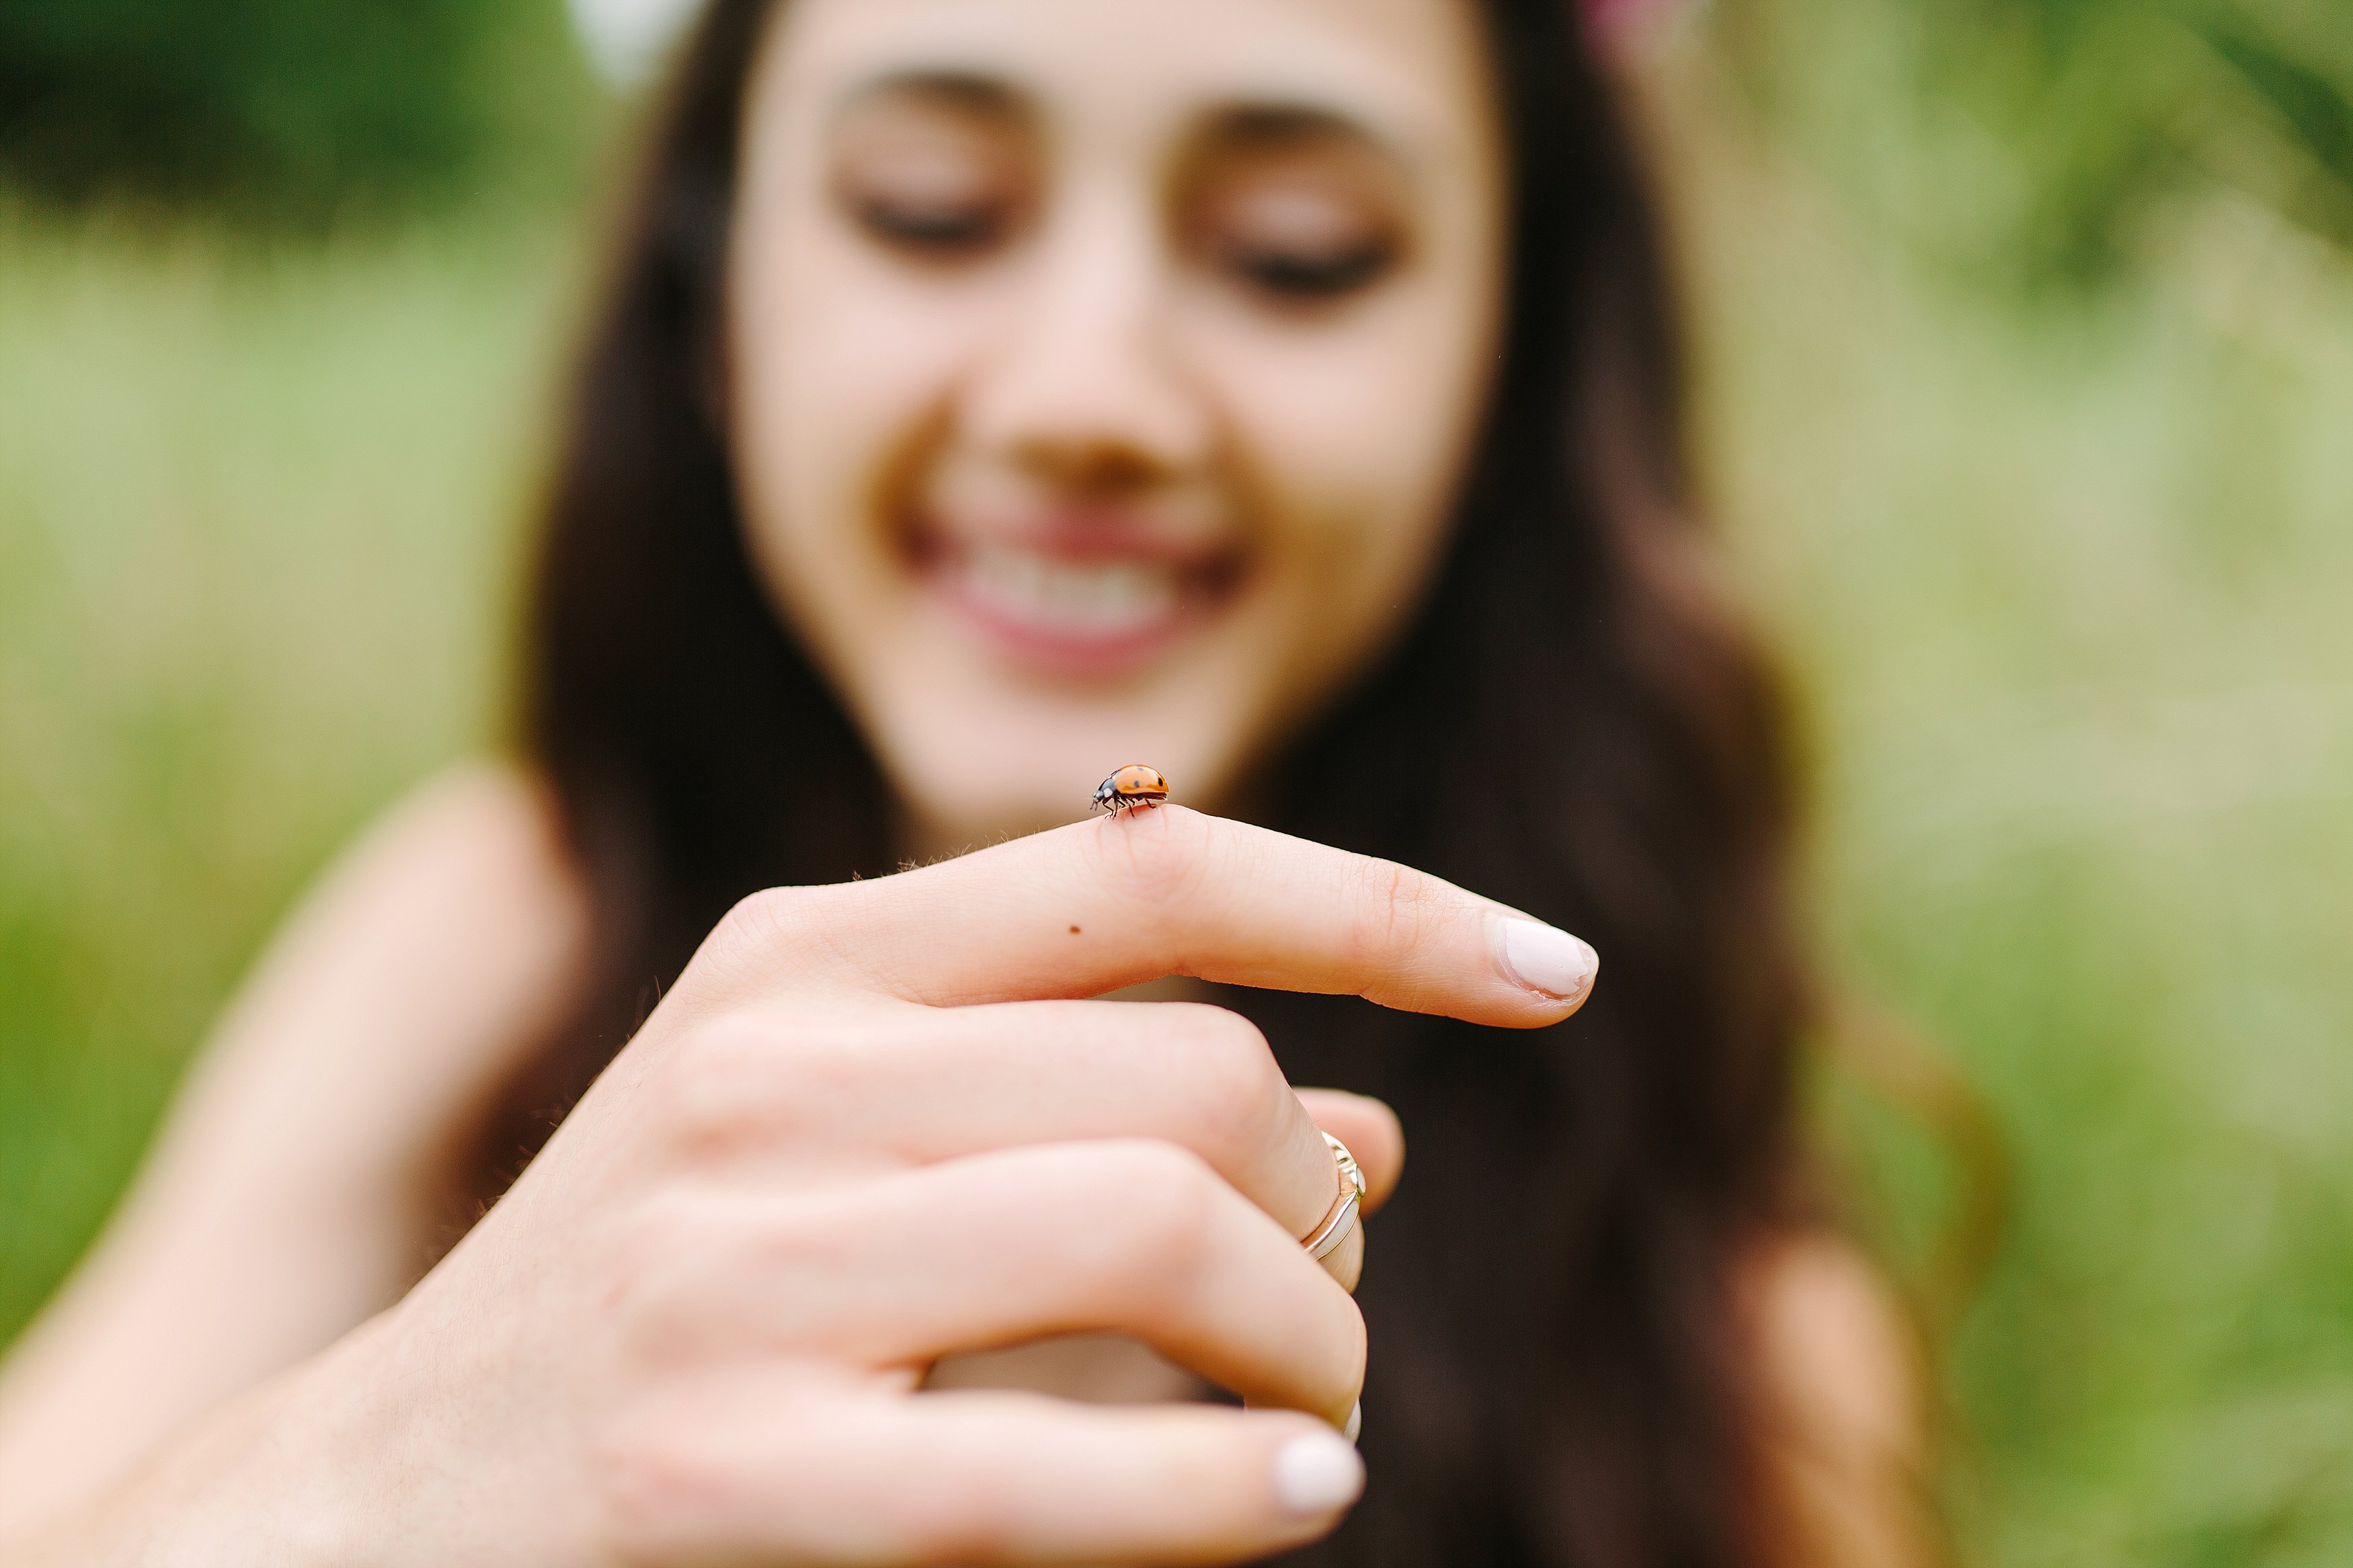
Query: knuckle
point(1396, 906)
point(653, 1252)
point(765, 922)
point(1236, 1091)
point(688, 1271)
point(820, 1076)
point(755, 1078)
point(646, 1476)
point(711, 1086)
point(1168, 1204)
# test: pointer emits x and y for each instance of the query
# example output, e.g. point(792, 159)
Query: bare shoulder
point(1840, 1360)
point(1844, 1387)
point(491, 816)
point(440, 946)
point(467, 874)
point(486, 830)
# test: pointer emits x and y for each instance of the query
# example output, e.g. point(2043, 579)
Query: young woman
point(989, 392)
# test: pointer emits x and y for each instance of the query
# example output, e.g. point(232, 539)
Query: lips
point(1083, 599)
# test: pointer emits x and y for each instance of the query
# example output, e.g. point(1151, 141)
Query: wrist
point(280, 1475)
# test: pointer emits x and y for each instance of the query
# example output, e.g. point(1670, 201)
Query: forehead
point(1409, 72)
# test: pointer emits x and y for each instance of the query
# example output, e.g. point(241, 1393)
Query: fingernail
point(1355, 1426)
point(1547, 959)
point(1317, 1472)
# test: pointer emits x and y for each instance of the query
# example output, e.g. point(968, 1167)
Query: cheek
point(1354, 438)
point(840, 372)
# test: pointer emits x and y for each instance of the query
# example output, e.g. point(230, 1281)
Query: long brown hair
point(1574, 724)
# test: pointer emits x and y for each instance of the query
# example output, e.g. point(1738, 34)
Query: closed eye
point(937, 229)
point(1315, 275)
point(936, 168)
point(1295, 205)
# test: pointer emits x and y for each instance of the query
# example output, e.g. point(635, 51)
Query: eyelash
point(944, 232)
point(1310, 277)
point(949, 233)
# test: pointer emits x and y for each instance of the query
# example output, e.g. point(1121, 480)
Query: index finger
point(1084, 909)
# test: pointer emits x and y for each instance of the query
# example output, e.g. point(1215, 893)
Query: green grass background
point(257, 516)
point(2067, 582)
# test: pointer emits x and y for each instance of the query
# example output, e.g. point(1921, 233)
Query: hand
point(868, 1128)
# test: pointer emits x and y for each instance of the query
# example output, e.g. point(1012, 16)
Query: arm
point(297, 1185)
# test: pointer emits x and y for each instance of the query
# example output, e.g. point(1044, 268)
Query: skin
point(871, 1125)
point(1203, 294)
point(1014, 279)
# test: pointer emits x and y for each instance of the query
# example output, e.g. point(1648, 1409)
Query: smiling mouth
point(1074, 602)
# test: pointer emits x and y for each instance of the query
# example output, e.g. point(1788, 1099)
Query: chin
point(997, 763)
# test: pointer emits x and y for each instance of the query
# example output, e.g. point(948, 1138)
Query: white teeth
point(1098, 599)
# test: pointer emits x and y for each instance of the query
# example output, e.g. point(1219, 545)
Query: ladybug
point(1131, 786)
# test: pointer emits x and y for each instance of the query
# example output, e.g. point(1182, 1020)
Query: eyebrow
point(1288, 124)
point(1275, 121)
point(972, 91)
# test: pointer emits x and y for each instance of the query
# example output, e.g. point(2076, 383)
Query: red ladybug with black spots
point(1132, 786)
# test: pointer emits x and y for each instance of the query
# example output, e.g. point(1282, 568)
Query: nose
point(1084, 389)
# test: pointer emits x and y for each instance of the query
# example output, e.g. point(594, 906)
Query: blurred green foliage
point(257, 508)
point(2065, 571)
point(2038, 142)
point(285, 109)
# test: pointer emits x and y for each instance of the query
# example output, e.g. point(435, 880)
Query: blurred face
point(1101, 374)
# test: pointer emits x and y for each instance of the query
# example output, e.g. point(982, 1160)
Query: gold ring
point(1325, 1239)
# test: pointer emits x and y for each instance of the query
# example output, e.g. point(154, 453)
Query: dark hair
point(1574, 724)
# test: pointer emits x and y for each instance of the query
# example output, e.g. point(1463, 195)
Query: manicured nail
point(1547, 959)
point(1317, 1472)
point(1355, 1426)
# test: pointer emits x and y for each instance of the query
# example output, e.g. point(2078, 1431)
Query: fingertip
point(1318, 1474)
point(1556, 967)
